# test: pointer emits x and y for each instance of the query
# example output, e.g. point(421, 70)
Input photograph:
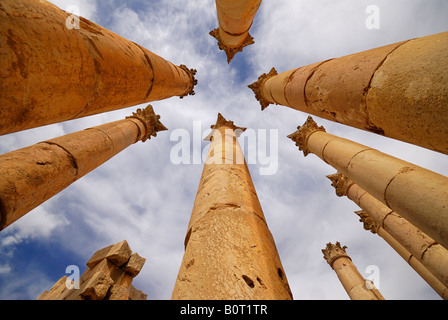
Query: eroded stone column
point(50, 73)
point(380, 219)
point(354, 284)
point(109, 276)
point(416, 194)
point(398, 90)
point(34, 174)
point(428, 275)
point(229, 250)
point(235, 19)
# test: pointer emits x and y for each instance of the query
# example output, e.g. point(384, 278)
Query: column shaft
point(398, 90)
point(235, 18)
point(50, 73)
point(34, 174)
point(417, 194)
point(377, 215)
point(229, 250)
point(415, 263)
point(354, 284)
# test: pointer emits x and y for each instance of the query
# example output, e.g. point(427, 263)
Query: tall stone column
point(398, 90)
point(235, 19)
point(34, 174)
point(354, 284)
point(416, 194)
point(379, 218)
point(50, 73)
point(229, 250)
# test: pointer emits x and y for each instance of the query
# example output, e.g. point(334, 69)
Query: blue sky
point(141, 196)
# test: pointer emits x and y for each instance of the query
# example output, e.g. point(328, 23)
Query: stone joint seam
point(236, 34)
point(2, 215)
point(323, 149)
point(369, 85)
point(140, 133)
point(308, 79)
point(427, 249)
point(191, 230)
point(103, 132)
point(71, 157)
point(385, 217)
point(356, 154)
point(148, 92)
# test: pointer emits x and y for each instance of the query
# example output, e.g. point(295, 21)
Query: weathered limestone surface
point(49, 73)
point(421, 269)
point(416, 194)
point(399, 90)
point(32, 175)
point(229, 250)
point(235, 18)
point(354, 284)
point(379, 218)
point(106, 278)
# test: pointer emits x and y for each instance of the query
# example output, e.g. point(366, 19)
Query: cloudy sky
point(142, 196)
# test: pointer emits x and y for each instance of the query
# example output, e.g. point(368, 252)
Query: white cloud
point(39, 224)
point(5, 269)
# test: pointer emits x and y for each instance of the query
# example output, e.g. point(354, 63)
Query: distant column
point(354, 284)
point(398, 90)
point(51, 73)
point(34, 174)
point(235, 19)
point(417, 194)
point(109, 276)
point(230, 253)
point(410, 242)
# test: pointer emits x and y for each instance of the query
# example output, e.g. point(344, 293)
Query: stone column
point(235, 19)
point(354, 284)
point(416, 194)
point(380, 219)
point(108, 276)
point(398, 90)
point(34, 174)
point(229, 250)
point(50, 73)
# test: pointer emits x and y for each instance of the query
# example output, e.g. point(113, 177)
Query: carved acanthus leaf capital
point(191, 73)
point(222, 122)
point(300, 137)
point(257, 87)
point(150, 120)
point(333, 252)
point(341, 183)
point(368, 222)
point(231, 51)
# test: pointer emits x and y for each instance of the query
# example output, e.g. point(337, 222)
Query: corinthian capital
point(191, 73)
point(222, 122)
point(368, 222)
point(300, 137)
point(231, 51)
point(150, 120)
point(333, 252)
